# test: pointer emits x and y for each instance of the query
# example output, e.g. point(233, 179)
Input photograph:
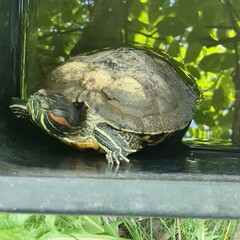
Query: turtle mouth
point(53, 112)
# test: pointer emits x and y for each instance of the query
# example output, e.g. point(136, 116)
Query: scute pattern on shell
point(129, 89)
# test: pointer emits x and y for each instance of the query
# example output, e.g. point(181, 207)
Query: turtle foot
point(116, 156)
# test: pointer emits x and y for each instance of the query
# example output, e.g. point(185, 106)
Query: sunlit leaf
point(143, 17)
point(14, 234)
point(92, 224)
point(17, 220)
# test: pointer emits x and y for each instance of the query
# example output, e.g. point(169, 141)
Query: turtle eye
point(78, 105)
point(58, 118)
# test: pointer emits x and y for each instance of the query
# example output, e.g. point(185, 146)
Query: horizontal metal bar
point(120, 197)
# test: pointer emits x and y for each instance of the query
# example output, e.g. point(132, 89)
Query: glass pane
point(188, 31)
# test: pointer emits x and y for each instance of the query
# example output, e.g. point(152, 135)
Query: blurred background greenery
point(203, 35)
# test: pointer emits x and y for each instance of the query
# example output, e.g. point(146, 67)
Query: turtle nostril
point(44, 104)
point(42, 92)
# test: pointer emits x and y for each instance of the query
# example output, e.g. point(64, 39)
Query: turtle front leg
point(116, 144)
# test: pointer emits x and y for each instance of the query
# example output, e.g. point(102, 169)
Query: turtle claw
point(116, 157)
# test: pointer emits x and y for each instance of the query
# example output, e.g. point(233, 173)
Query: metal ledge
point(39, 174)
point(130, 197)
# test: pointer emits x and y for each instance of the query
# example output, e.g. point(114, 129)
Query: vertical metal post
point(10, 48)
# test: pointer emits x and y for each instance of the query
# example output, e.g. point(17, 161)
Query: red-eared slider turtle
point(116, 100)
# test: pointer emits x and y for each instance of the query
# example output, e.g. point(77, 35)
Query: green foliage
point(32, 227)
point(42, 227)
point(195, 33)
point(217, 62)
point(193, 51)
point(173, 229)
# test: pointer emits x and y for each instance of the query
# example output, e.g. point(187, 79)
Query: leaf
point(14, 234)
point(226, 120)
point(174, 48)
point(136, 8)
point(188, 11)
point(143, 17)
point(193, 52)
point(72, 235)
point(217, 62)
point(153, 6)
point(51, 221)
point(112, 228)
point(17, 220)
point(204, 118)
point(208, 16)
point(218, 99)
point(194, 71)
point(92, 224)
point(171, 26)
point(198, 33)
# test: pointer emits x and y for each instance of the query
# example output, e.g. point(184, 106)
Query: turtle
point(116, 101)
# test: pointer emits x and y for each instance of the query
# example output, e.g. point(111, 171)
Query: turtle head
point(52, 112)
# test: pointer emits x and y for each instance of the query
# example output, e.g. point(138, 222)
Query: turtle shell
point(129, 88)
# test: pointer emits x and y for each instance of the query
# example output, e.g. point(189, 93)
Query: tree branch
point(52, 34)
